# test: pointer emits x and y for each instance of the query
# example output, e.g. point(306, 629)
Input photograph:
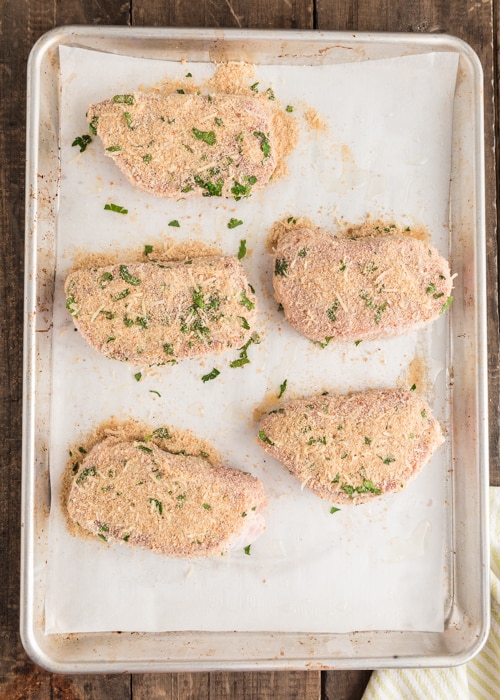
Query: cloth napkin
point(480, 678)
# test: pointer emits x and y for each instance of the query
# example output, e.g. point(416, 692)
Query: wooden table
point(22, 22)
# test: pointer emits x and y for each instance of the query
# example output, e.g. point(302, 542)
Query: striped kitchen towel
point(480, 678)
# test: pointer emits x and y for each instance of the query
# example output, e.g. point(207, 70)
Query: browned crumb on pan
point(313, 120)
point(164, 249)
point(382, 227)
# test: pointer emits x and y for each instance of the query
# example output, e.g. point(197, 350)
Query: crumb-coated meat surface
point(135, 493)
point(351, 448)
point(335, 288)
point(156, 312)
point(178, 145)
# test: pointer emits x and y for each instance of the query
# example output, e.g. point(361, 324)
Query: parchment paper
point(384, 150)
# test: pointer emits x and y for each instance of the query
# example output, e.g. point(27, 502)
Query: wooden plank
point(22, 23)
point(170, 686)
point(345, 685)
point(283, 14)
point(289, 685)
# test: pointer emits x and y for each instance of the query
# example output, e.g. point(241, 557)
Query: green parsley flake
point(207, 137)
point(158, 505)
point(245, 301)
point(211, 375)
point(264, 438)
point(127, 277)
point(114, 149)
point(281, 267)
point(243, 249)
point(82, 141)
point(138, 376)
point(174, 223)
point(282, 388)
point(247, 549)
point(124, 99)
point(147, 158)
point(233, 223)
point(148, 249)
point(446, 305)
point(333, 510)
point(116, 208)
point(207, 506)
point(289, 108)
point(93, 125)
point(265, 146)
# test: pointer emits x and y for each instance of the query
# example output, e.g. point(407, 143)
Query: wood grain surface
point(22, 22)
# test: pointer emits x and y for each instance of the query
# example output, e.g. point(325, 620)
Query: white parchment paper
point(385, 151)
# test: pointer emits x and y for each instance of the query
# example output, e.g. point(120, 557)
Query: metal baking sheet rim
point(468, 620)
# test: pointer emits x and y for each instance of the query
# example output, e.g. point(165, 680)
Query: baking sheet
point(311, 571)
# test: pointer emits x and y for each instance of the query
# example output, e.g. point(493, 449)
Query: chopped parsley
point(239, 190)
point(114, 149)
point(289, 108)
point(233, 223)
point(211, 375)
point(366, 487)
point(302, 253)
point(254, 87)
point(82, 141)
point(72, 306)
point(116, 208)
point(270, 94)
point(93, 125)
point(446, 305)
point(333, 510)
point(174, 223)
point(143, 448)
point(153, 391)
point(147, 158)
point(207, 506)
point(243, 358)
point(218, 121)
point(168, 348)
point(124, 99)
point(158, 505)
point(211, 189)
point(242, 249)
point(105, 277)
point(357, 342)
point(281, 267)
point(413, 387)
point(127, 277)
point(244, 323)
point(265, 146)
point(247, 549)
point(332, 311)
point(88, 471)
point(138, 376)
point(161, 433)
point(121, 295)
point(282, 388)
point(264, 438)
point(245, 301)
point(128, 119)
point(148, 249)
point(207, 137)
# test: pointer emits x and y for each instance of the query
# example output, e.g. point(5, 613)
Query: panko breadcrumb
point(336, 288)
point(351, 448)
point(135, 493)
point(185, 145)
point(157, 312)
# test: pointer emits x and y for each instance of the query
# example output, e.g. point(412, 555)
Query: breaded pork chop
point(156, 312)
point(179, 506)
point(185, 145)
point(334, 288)
point(351, 448)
